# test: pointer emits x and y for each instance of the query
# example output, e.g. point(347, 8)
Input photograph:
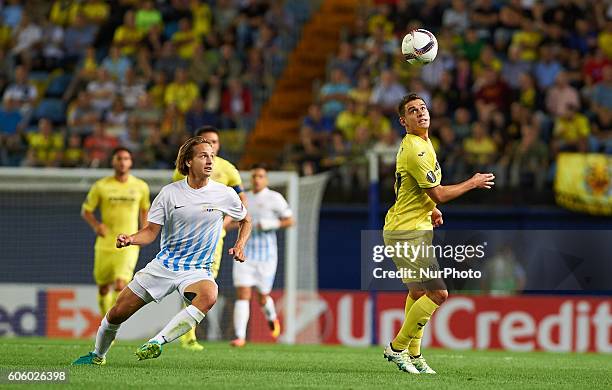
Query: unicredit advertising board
point(515, 323)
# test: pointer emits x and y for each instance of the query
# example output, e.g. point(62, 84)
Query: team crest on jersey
point(431, 177)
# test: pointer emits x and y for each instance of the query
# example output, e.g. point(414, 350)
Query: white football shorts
point(255, 273)
point(154, 281)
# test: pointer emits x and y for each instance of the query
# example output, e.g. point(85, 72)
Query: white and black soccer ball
point(419, 47)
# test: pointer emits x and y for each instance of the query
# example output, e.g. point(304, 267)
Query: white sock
point(105, 336)
point(179, 325)
point(242, 309)
point(269, 309)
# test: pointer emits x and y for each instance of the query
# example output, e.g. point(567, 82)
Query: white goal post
point(303, 195)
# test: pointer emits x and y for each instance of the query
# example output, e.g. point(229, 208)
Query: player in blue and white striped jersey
point(270, 212)
point(191, 212)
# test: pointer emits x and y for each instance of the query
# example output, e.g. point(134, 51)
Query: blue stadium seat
point(58, 85)
point(39, 75)
point(51, 108)
point(169, 29)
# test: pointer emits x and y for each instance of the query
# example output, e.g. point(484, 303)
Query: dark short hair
point(206, 129)
point(186, 153)
point(122, 149)
point(259, 166)
point(401, 108)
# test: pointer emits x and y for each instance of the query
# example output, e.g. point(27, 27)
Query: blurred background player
point(269, 212)
point(123, 201)
point(224, 172)
point(192, 213)
point(411, 219)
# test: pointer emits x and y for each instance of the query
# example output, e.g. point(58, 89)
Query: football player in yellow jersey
point(411, 219)
point(226, 173)
point(123, 201)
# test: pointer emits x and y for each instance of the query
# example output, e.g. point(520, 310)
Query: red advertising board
point(517, 323)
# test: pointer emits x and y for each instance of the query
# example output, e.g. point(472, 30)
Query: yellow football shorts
point(110, 265)
point(418, 258)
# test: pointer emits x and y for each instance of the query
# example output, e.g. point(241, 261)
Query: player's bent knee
point(243, 293)
point(204, 301)
point(416, 294)
point(263, 298)
point(103, 290)
point(438, 296)
point(115, 316)
point(120, 284)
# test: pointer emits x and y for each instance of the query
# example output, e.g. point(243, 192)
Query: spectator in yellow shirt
point(604, 39)
point(480, 149)
point(95, 11)
point(361, 93)
point(158, 89)
point(185, 39)
point(45, 147)
point(348, 120)
point(181, 92)
point(571, 131)
point(202, 18)
point(6, 37)
point(376, 122)
point(528, 39)
point(127, 36)
point(63, 12)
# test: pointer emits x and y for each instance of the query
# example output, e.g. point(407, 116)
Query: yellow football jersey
point(416, 169)
point(224, 172)
point(119, 205)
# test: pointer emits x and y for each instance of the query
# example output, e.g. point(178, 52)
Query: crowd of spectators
point(514, 83)
point(79, 78)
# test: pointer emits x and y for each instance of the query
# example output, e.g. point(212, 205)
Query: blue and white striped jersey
point(264, 205)
point(192, 222)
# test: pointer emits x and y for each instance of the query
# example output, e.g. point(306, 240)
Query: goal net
point(45, 243)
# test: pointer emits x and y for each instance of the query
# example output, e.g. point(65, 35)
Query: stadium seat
point(51, 108)
point(58, 85)
point(169, 29)
point(39, 76)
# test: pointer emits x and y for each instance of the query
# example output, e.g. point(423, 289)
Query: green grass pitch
point(305, 366)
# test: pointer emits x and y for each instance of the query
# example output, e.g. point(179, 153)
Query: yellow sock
point(415, 321)
point(104, 303)
point(414, 348)
point(409, 302)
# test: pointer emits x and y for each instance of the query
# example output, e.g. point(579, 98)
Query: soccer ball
point(419, 46)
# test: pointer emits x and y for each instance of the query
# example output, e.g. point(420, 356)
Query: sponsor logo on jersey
point(431, 177)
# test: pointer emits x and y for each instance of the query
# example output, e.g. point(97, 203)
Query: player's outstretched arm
point(443, 194)
point(144, 236)
point(244, 231)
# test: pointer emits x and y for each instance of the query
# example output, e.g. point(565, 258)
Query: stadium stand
point(310, 86)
